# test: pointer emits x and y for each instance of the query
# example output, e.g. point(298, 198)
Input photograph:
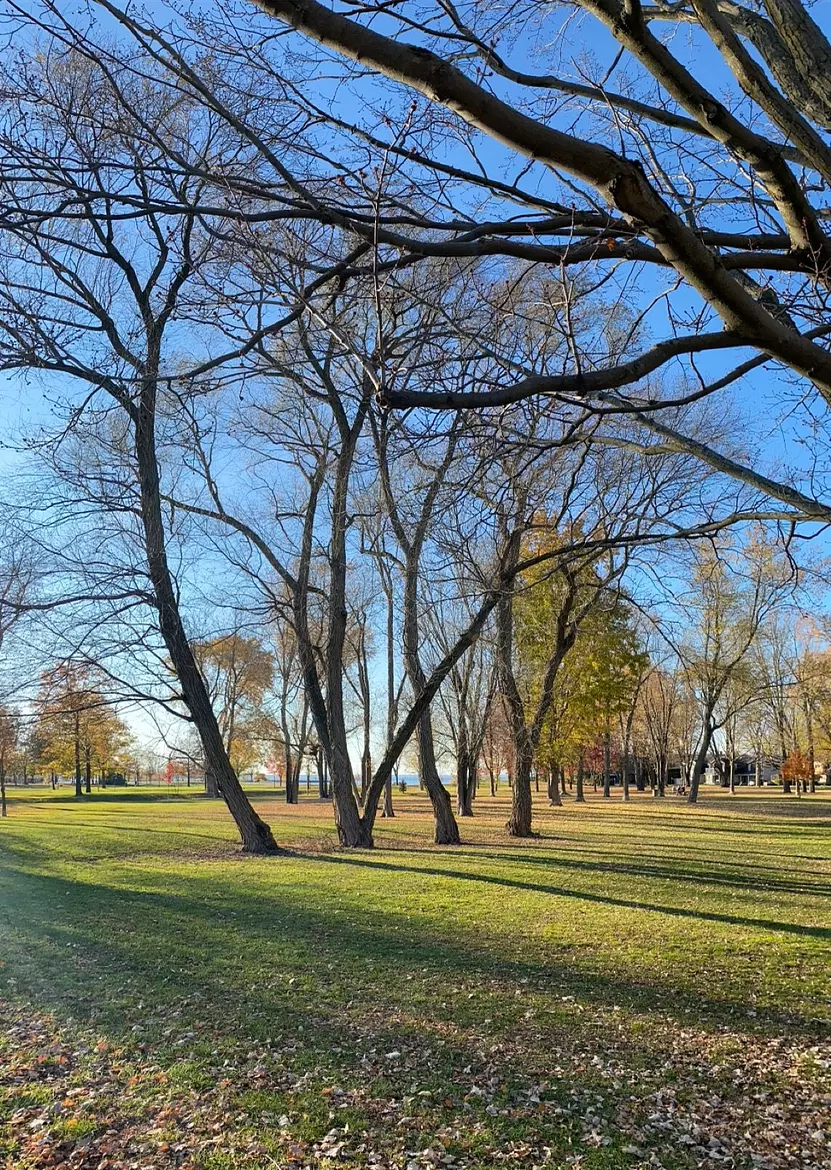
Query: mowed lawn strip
point(641, 985)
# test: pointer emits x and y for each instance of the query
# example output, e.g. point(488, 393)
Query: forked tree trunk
point(254, 833)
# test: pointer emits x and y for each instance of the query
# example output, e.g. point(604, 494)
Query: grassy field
point(642, 985)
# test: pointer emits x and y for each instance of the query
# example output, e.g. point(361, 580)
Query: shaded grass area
point(640, 985)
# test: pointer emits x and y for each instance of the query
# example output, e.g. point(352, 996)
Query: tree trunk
point(366, 766)
point(392, 703)
point(388, 810)
point(519, 824)
point(322, 779)
point(211, 784)
point(700, 762)
point(446, 829)
point(78, 789)
point(639, 782)
point(580, 797)
point(465, 768)
point(809, 731)
point(554, 794)
point(87, 772)
point(292, 765)
point(607, 765)
point(254, 833)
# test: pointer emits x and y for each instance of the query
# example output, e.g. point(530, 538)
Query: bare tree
point(738, 238)
point(732, 595)
point(410, 507)
point(91, 288)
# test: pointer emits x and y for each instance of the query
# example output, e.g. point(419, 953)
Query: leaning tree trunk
point(254, 833)
point(700, 762)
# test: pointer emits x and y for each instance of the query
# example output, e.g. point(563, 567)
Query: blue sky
point(776, 436)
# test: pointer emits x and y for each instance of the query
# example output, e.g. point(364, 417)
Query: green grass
point(633, 985)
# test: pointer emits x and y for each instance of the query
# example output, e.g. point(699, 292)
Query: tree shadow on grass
point(709, 874)
point(818, 932)
point(79, 948)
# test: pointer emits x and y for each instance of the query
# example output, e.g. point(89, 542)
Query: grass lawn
point(642, 985)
